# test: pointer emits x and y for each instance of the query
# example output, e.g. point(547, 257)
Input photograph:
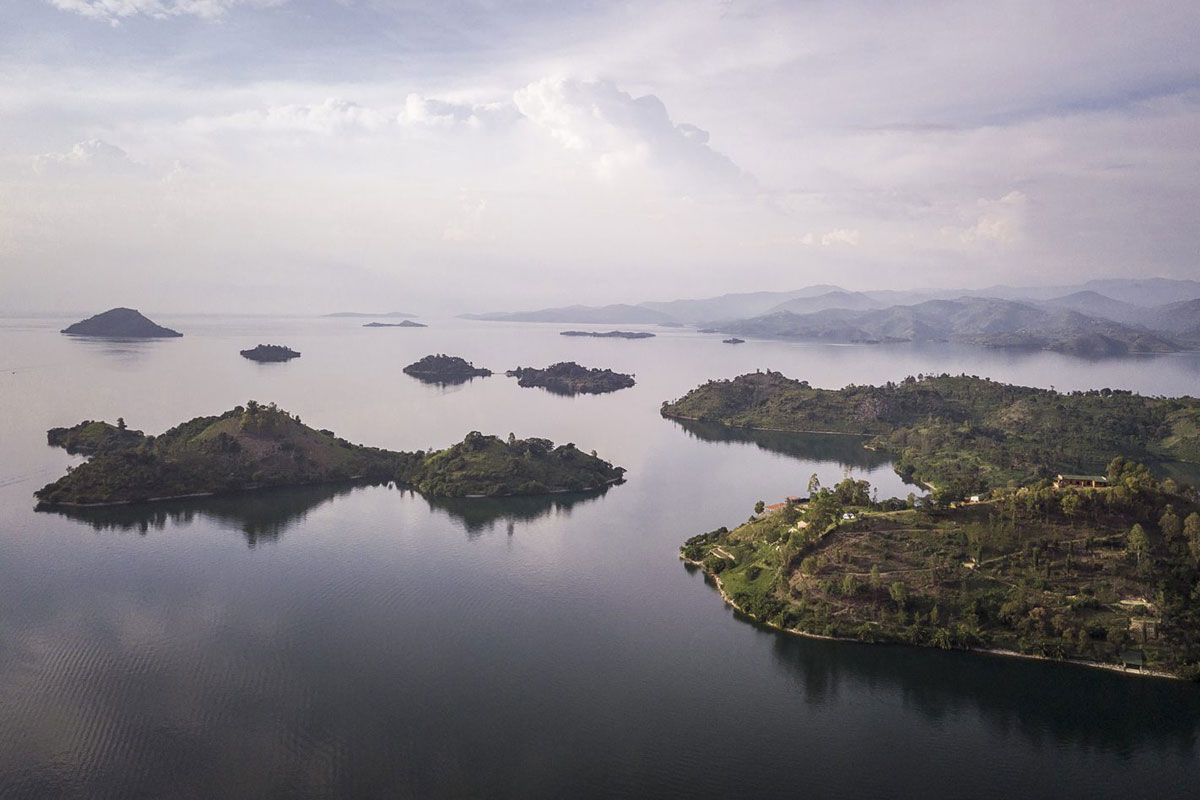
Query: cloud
point(114, 11)
point(333, 116)
point(91, 156)
point(619, 132)
point(420, 110)
point(1000, 222)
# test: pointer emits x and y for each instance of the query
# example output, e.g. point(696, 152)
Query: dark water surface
point(366, 641)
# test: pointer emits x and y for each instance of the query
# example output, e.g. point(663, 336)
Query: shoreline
point(774, 430)
point(997, 651)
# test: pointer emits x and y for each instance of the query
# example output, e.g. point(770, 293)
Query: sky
point(303, 156)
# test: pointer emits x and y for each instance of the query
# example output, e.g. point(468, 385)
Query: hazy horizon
point(312, 156)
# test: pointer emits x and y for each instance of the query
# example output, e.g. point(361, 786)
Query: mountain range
point(1100, 317)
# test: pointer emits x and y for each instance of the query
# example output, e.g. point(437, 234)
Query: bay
point(367, 641)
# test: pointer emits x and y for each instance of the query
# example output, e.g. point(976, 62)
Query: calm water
point(365, 641)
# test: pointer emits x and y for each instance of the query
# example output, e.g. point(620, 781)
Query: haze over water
point(366, 641)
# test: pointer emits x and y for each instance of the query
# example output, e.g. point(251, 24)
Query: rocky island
point(611, 334)
point(1102, 576)
point(733, 340)
point(408, 323)
point(256, 447)
point(567, 377)
point(442, 368)
point(270, 353)
point(120, 323)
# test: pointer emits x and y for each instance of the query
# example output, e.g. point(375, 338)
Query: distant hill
point(120, 323)
point(1181, 319)
point(613, 314)
point(1095, 304)
point(983, 321)
point(730, 306)
point(363, 314)
point(839, 298)
point(1126, 301)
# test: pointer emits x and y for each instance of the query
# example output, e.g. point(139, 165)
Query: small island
point(444, 369)
point(708, 330)
point(568, 378)
point(120, 323)
point(408, 323)
point(257, 447)
point(733, 340)
point(270, 353)
point(611, 334)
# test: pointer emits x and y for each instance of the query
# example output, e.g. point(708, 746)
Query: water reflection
point(480, 514)
point(844, 449)
point(1058, 703)
point(261, 516)
point(446, 381)
point(126, 352)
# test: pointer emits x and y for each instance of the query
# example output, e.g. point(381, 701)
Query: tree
point(814, 484)
point(1191, 529)
point(849, 586)
point(875, 578)
point(1169, 524)
point(1139, 542)
point(120, 423)
point(1070, 504)
point(899, 594)
point(252, 407)
point(759, 506)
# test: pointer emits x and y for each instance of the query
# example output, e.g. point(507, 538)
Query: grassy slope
point(1040, 582)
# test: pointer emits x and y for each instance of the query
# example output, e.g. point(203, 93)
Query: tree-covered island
point(120, 323)
point(1006, 553)
point(441, 368)
point(256, 446)
point(1107, 576)
point(961, 434)
point(270, 353)
point(567, 377)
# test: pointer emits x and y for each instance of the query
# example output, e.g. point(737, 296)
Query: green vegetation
point(962, 434)
point(1104, 575)
point(487, 466)
point(567, 377)
point(263, 446)
point(270, 352)
point(442, 368)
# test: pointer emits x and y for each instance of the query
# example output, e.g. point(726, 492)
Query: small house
point(849, 516)
point(1080, 481)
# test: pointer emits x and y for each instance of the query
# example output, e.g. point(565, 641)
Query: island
point(733, 340)
point(408, 323)
point(120, 323)
point(270, 353)
point(442, 368)
point(611, 334)
point(1101, 575)
point(568, 378)
point(708, 330)
point(256, 447)
point(963, 434)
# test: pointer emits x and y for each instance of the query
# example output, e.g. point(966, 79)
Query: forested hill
point(256, 447)
point(962, 433)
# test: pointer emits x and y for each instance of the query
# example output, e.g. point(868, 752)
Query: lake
point(366, 641)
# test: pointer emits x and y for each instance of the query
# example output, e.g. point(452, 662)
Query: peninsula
point(1102, 576)
point(611, 334)
point(442, 368)
point(120, 323)
point(962, 434)
point(256, 446)
point(567, 377)
point(270, 353)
